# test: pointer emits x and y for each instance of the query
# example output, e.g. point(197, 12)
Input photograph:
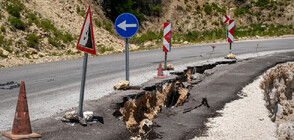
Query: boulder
point(5, 53)
point(122, 85)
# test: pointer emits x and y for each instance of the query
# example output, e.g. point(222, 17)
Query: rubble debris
point(71, 116)
point(123, 85)
point(88, 116)
point(230, 56)
point(169, 67)
point(278, 87)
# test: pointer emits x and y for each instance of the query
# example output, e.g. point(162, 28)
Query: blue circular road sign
point(126, 25)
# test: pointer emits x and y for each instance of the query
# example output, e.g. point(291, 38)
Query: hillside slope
point(36, 31)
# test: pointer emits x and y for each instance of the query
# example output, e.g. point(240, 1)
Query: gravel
point(243, 119)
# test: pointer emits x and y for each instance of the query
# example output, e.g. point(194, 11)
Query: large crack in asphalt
point(137, 111)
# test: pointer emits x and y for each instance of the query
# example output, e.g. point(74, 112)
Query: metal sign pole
point(83, 85)
point(230, 47)
point(127, 59)
point(165, 60)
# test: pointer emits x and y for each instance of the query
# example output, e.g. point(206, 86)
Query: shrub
point(17, 23)
point(67, 38)
point(27, 55)
point(7, 48)
point(81, 12)
point(32, 18)
point(32, 40)
point(53, 42)
point(1, 15)
point(147, 37)
point(13, 10)
point(105, 49)
point(107, 26)
point(47, 25)
point(97, 22)
point(2, 28)
point(207, 9)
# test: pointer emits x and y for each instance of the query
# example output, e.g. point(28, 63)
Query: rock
point(186, 42)
point(148, 44)
point(35, 56)
point(5, 53)
point(230, 56)
point(122, 85)
point(261, 119)
point(88, 116)
point(41, 54)
point(169, 67)
point(73, 115)
point(32, 51)
point(286, 131)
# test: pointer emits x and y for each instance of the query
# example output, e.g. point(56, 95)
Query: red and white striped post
point(226, 19)
point(166, 40)
point(231, 33)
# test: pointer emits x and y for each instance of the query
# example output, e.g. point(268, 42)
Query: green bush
point(2, 28)
point(53, 42)
point(81, 12)
point(107, 26)
point(33, 40)
point(147, 37)
point(27, 55)
point(13, 10)
point(47, 25)
point(97, 22)
point(2, 39)
point(207, 8)
point(66, 38)
point(105, 49)
point(17, 23)
point(1, 15)
point(32, 18)
point(139, 8)
point(7, 48)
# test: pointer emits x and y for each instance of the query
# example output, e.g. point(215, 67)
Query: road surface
point(54, 87)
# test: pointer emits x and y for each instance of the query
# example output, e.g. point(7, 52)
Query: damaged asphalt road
point(206, 97)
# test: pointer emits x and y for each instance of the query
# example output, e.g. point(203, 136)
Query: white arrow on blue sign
point(126, 25)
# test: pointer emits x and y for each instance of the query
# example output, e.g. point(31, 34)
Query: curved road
point(54, 87)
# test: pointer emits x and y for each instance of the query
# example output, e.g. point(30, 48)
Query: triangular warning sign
point(86, 41)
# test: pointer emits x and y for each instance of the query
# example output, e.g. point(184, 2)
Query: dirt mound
point(278, 86)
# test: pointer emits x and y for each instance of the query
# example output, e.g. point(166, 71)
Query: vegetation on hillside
point(139, 8)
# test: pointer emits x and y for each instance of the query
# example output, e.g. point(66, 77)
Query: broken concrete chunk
point(122, 85)
point(88, 116)
point(230, 56)
point(73, 115)
point(169, 67)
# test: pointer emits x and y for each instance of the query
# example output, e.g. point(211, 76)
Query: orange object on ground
point(160, 72)
point(21, 127)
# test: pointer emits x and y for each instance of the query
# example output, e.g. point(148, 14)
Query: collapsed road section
point(138, 111)
point(167, 121)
